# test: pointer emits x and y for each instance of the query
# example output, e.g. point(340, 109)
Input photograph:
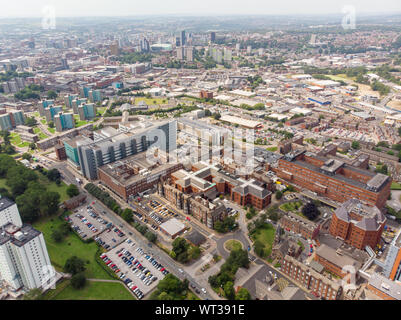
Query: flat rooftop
point(172, 226)
point(376, 182)
point(122, 171)
point(18, 236)
point(5, 203)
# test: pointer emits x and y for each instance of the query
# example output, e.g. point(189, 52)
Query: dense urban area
point(200, 159)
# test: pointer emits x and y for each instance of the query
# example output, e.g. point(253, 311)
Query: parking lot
point(87, 223)
point(138, 269)
point(157, 213)
point(111, 237)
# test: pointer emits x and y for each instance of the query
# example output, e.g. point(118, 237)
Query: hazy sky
point(64, 8)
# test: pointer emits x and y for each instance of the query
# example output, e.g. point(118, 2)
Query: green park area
point(52, 186)
point(291, 206)
point(294, 207)
point(263, 238)
point(272, 149)
point(151, 101)
point(101, 110)
point(15, 139)
point(70, 246)
point(233, 245)
point(341, 77)
point(78, 122)
point(40, 134)
point(92, 291)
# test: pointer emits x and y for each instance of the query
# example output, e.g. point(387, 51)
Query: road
point(161, 256)
point(200, 281)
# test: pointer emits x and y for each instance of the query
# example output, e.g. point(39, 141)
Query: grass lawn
point(101, 110)
point(233, 245)
point(52, 186)
point(79, 123)
point(24, 144)
point(52, 130)
point(95, 291)
point(395, 186)
point(43, 121)
point(70, 246)
point(266, 236)
point(341, 77)
point(272, 149)
point(15, 139)
point(36, 114)
point(291, 206)
point(151, 101)
point(41, 135)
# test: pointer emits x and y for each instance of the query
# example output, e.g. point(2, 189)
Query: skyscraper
point(212, 37)
point(183, 38)
point(24, 260)
point(64, 121)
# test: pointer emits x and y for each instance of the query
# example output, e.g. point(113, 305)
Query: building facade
point(334, 179)
point(111, 148)
point(24, 260)
point(357, 224)
point(310, 279)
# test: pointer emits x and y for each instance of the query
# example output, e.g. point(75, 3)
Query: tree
point(279, 194)
point(310, 211)
point(53, 174)
point(355, 145)
point(229, 291)
point(74, 265)
point(57, 236)
point(127, 215)
point(78, 280)
point(26, 156)
point(49, 203)
point(51, 124)
point(259, 248)
point(32, 146)
point(51, 94)
point(151, 236)
point(216, 116)
point(30, 122)
point(180, 248)
point(243, 294)
point(72, 190)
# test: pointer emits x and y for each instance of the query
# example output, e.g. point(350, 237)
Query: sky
point(74, 8)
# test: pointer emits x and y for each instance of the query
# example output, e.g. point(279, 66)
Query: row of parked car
point(156, 218)
point(138, 269)
point(154, 263)
point(79, 231)
point(118, 231)
point(231, 211)
point(100, 241)
point(93, 214)
point(154, 204)
point(109, 263)
point(138, 293)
